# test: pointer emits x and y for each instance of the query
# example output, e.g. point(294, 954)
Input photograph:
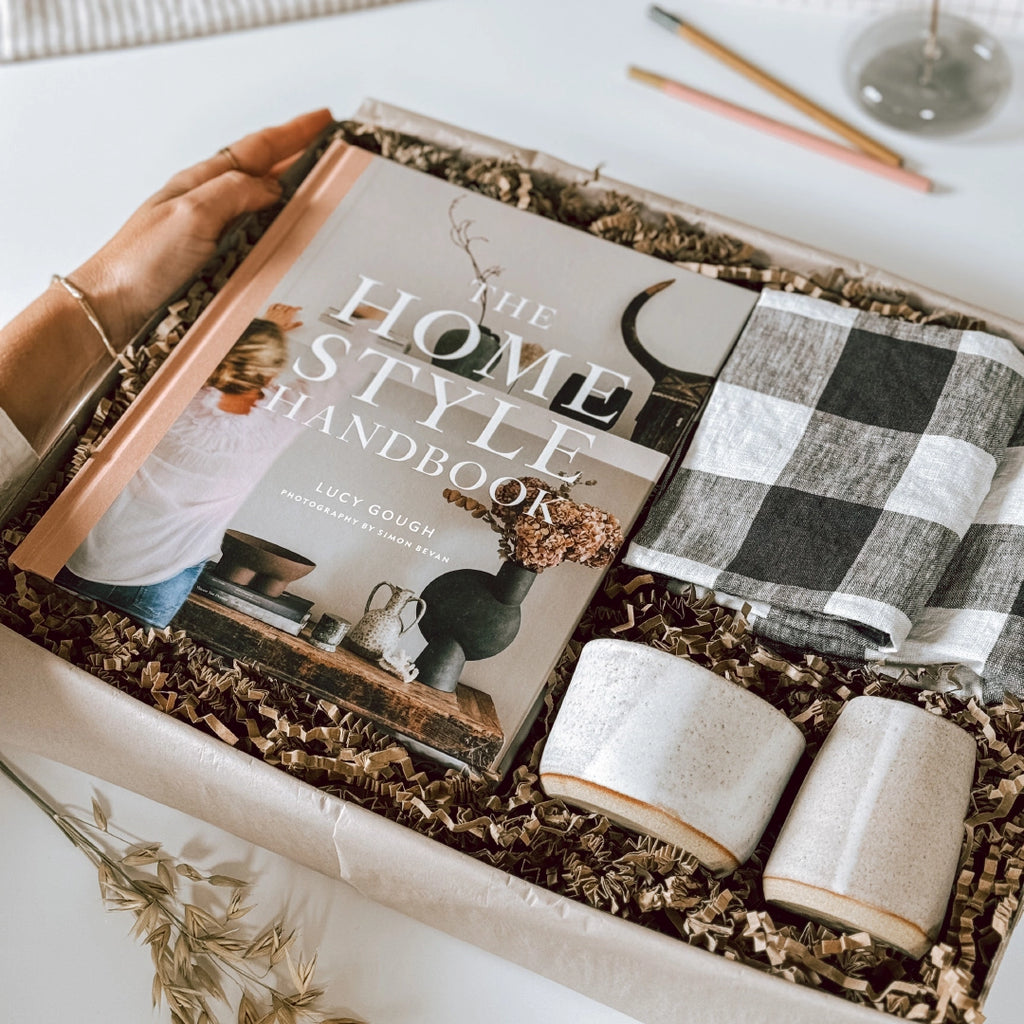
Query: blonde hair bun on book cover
point(259, 355)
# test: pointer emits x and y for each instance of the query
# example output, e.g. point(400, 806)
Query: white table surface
point(84, 139)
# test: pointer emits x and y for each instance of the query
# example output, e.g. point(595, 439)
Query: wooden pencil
point(781, 130)
point(766, 81)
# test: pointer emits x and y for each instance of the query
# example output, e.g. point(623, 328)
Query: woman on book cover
point(147, 551)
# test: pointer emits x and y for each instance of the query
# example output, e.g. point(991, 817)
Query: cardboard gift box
point(64, 712)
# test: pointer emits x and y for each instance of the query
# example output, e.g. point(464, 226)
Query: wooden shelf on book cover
point(462, 724)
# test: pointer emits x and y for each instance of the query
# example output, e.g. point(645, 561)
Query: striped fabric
point(49, 28)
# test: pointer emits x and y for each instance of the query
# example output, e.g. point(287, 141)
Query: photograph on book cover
point(392, 457)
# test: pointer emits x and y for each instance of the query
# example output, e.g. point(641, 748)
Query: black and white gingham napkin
point(841, 459)
point(975, 617)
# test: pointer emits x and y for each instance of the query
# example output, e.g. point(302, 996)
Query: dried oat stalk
point(198, 952)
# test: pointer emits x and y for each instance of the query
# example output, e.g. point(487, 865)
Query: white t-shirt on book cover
point(173, 512)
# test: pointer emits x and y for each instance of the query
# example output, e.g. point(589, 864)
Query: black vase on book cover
point(476, 358)
point(471, 615)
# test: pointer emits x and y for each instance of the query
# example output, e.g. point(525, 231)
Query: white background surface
point(84, 139)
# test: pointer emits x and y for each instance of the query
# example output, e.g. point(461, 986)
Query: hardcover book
point(392, 457)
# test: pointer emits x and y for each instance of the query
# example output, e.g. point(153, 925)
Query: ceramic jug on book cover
point(377, 633)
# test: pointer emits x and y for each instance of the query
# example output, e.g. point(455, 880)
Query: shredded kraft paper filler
point(496, 862)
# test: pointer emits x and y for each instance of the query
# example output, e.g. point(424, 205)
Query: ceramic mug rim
point(727, 686)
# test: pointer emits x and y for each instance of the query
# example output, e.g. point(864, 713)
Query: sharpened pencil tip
point(664, 18)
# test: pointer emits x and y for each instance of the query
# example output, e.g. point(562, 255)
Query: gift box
point(558, 891)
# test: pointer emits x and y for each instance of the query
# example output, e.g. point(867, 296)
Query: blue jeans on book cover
point(152, 604)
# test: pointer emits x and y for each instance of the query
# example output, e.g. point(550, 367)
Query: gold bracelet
point(79, 296)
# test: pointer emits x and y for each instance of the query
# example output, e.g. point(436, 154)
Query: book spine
point(74, 513)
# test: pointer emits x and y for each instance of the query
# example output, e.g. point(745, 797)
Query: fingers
point(256, 154)
point(283, 315)
point(283, 310)
point(211, 206)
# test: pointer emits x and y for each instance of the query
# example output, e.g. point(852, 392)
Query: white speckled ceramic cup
point(872, 840)
point(659, 744)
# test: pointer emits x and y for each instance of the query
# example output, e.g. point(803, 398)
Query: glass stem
point(931, 46)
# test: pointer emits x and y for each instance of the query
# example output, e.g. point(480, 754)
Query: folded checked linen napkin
point(842, 458)
point(975, 616)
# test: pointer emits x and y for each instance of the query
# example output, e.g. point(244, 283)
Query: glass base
point(956, 87)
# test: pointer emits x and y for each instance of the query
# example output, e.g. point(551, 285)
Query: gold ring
point(232, 159)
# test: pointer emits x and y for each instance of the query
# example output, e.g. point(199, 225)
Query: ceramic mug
point(661, 745)
point(873, 837)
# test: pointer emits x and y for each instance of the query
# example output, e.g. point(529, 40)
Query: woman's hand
point(50, 355)
point(175, 231)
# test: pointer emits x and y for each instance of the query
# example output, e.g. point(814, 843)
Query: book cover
point(415, 425)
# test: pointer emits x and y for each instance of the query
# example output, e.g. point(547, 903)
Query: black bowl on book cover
point(260, 564)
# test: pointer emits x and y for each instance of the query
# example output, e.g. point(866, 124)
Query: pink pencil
point(781, 130)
